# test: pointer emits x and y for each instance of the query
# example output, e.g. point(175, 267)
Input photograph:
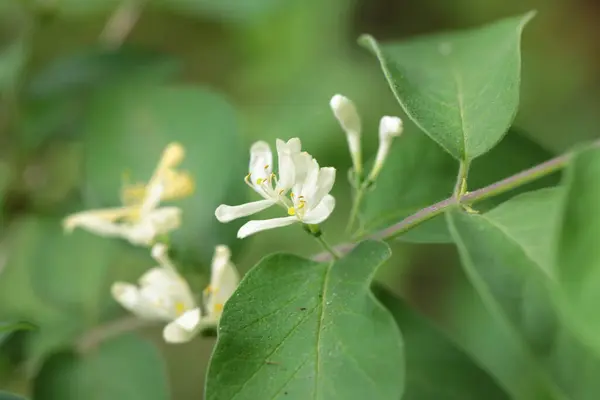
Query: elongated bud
point(389, 128)
point(346, 114)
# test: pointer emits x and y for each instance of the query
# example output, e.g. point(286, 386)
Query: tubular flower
point(141, 219)
point(163, 295)
point(345, 112)
point(302, 188)
point(389, 128)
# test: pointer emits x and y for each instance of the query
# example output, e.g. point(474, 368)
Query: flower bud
point(346, 114)
point(389, 128)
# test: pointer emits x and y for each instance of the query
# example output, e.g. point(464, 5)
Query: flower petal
point(321, 212)
point(100, 222)
point(261, 161)
point(184, 328)
point(252, 227)
point(224, 280)
point(157, 222)
point(130, 298)
point(324, 185)
point(225, 213)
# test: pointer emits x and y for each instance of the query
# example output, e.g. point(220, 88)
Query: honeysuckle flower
point(346, 114)
point(308, 202)
point(163, 295)
point(389, 128)
point(141, 219)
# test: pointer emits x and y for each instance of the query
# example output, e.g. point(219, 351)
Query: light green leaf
point(127, 130)
point(297, 329)
point(435, 368)
point(501, 252)
point(461, 88)
point(418, 174)
point(578, 259)
point(123, 368)
point(10, 396)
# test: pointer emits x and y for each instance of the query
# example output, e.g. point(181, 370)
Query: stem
point(495, 189)
point(360, 192)
point(328, 248)
point(112, 329)
point(461, 180)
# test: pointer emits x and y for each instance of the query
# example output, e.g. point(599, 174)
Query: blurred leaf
point(7, 328)
point(10, 396)
point(97, 66)
point(418, 174)
point(123, 368)
point(500, 252)
point(435, 368)
point(129, 127)
point(79, 8)
point(59, 282)
point(316, 332)
point(12, 61)
point(578, 260)
point(461, 88)
point(227, 10)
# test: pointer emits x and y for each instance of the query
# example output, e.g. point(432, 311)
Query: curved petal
point(100, 222)
point(287, 173)
point(261, 161)
point(225, 213)
point(129, 296)
point(324, 185)
point(252, 227)
point(321, 212)
point(184, 328)
point(223, 282)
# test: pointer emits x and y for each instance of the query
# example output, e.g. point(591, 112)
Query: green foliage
point(126, 118)
point(7, 328)
point(122, 368)
point(10, 396)
point(578, 258)
point(419, 174)
point(435, 368)
point(504, 253)
point(462, 89)
point(316, 332)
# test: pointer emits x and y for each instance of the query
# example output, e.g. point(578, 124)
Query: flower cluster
point(301, 188)
point(162, 294)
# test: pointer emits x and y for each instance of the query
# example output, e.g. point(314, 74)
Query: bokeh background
point(91, 90)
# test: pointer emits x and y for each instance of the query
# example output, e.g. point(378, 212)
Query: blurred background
point(92, 90)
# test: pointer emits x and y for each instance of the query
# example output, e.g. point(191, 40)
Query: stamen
point(301, 205)
point(267, 166)
point(259, 181)
point(281, 191)
point(292, 195)
point(218, 307)
point(291, 211)
point(179, 308)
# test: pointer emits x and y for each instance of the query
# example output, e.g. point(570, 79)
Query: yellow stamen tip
point(173, 154)
point(179, 308)
point(259, 181)
point(218, 307)
point(291, 211)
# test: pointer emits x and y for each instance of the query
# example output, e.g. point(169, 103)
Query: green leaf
point(435, 368)
point(10, 396)
point(503, 255)
point(418, 174)
point(297, 329)
point(61, 283)
point(127, 130)
point(123, 368)
point(461, 88)
point(578, 258)
point(12, 60)
point(7, 328)
point(97, 66)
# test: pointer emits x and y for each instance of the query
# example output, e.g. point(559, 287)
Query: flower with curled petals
point(301, 188)
point(141, 219)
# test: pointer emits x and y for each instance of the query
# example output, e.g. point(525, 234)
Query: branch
point(529, 175)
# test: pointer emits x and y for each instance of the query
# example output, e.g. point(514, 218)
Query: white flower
point(346, 114)
point(163, 295)
point(389, 128)
point(141, 219)
point(308, 202)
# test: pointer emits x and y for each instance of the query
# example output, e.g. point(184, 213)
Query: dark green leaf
point(503, 253)
point(127, 130)
point(578, 261)
point(10, 396)
point(123, 368)
point(418, 173)
point(297, 329)
point(435, 368)
point(461, 88)
point(96, 67)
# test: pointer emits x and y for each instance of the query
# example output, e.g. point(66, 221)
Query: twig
point(529, 175)
point(94, 337)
